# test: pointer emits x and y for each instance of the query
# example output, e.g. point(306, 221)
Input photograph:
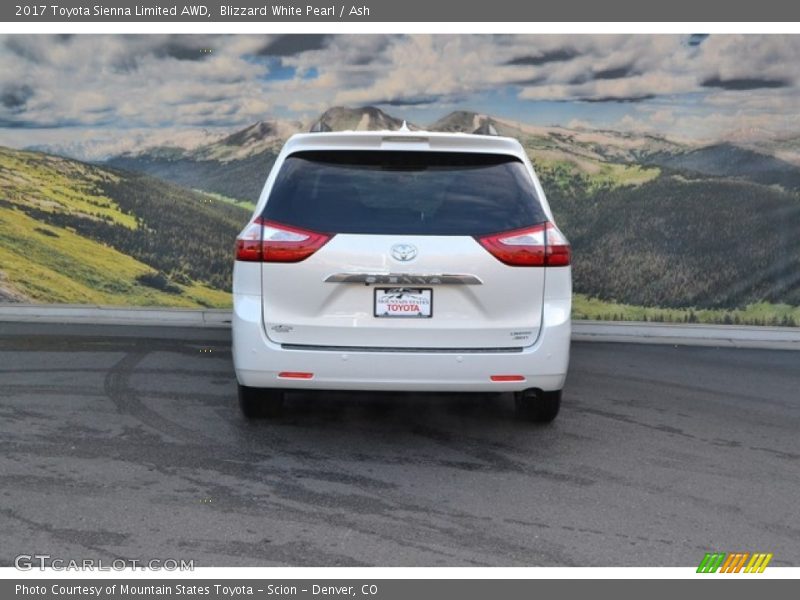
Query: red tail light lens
point(542, 245)
point(268, 241)
point(518, 248)
point(248, 244)
point(282, 243)
point(557, 251)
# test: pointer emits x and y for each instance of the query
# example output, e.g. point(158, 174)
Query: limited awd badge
point(404, 252)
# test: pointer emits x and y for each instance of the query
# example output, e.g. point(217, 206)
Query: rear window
point(404, 192)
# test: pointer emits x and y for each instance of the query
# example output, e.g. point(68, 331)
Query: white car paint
point(288, 318)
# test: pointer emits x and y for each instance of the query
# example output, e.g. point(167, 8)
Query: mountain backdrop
point(661, 229)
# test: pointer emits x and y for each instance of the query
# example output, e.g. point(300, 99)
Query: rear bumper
point(258, 361)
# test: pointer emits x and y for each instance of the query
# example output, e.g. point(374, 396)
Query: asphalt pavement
point(127, 442)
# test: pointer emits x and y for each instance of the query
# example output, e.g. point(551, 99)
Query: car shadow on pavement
point(394, 407)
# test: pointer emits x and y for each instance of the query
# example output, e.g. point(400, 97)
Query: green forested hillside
point(241, 179)
point(729, 160)
point(676, 242)
point(77, 233)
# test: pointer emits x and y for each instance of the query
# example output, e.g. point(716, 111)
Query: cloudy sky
point(95, 94)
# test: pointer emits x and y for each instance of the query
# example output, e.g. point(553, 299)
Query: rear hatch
point(396, 250)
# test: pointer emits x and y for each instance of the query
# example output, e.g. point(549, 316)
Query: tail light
point(268, 241)
point(542, 245)
point(248, 244)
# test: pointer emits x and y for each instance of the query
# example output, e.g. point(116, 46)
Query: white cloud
point(135, 83)
point(663, 116)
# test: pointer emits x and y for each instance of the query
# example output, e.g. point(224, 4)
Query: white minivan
point(397, 260)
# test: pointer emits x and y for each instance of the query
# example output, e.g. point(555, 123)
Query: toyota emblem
point(404, 252)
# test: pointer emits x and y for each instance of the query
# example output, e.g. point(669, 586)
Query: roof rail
point(320, 127)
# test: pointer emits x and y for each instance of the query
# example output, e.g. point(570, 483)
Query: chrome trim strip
point(514, 349)
point(404, 279)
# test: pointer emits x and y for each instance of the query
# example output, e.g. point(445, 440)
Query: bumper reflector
point(507, 378)
point(295, 375)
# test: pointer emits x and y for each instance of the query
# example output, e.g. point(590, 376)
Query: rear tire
point(257, 402)
point(537, 406)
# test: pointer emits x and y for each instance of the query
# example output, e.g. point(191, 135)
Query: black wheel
point(536, 405)
point(258, 402)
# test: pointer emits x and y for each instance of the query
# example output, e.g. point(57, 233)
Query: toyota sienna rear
point(399, 261)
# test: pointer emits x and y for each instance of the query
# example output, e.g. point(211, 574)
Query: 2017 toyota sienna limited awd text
point(412, 261)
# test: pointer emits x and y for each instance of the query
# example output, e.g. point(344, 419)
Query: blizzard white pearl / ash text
point(295, 10)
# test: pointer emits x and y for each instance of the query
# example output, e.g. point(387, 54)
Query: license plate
point(403, 302)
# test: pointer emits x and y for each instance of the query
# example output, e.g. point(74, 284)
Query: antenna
point(320, 127)
point(404, 126)
point(486, 128)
